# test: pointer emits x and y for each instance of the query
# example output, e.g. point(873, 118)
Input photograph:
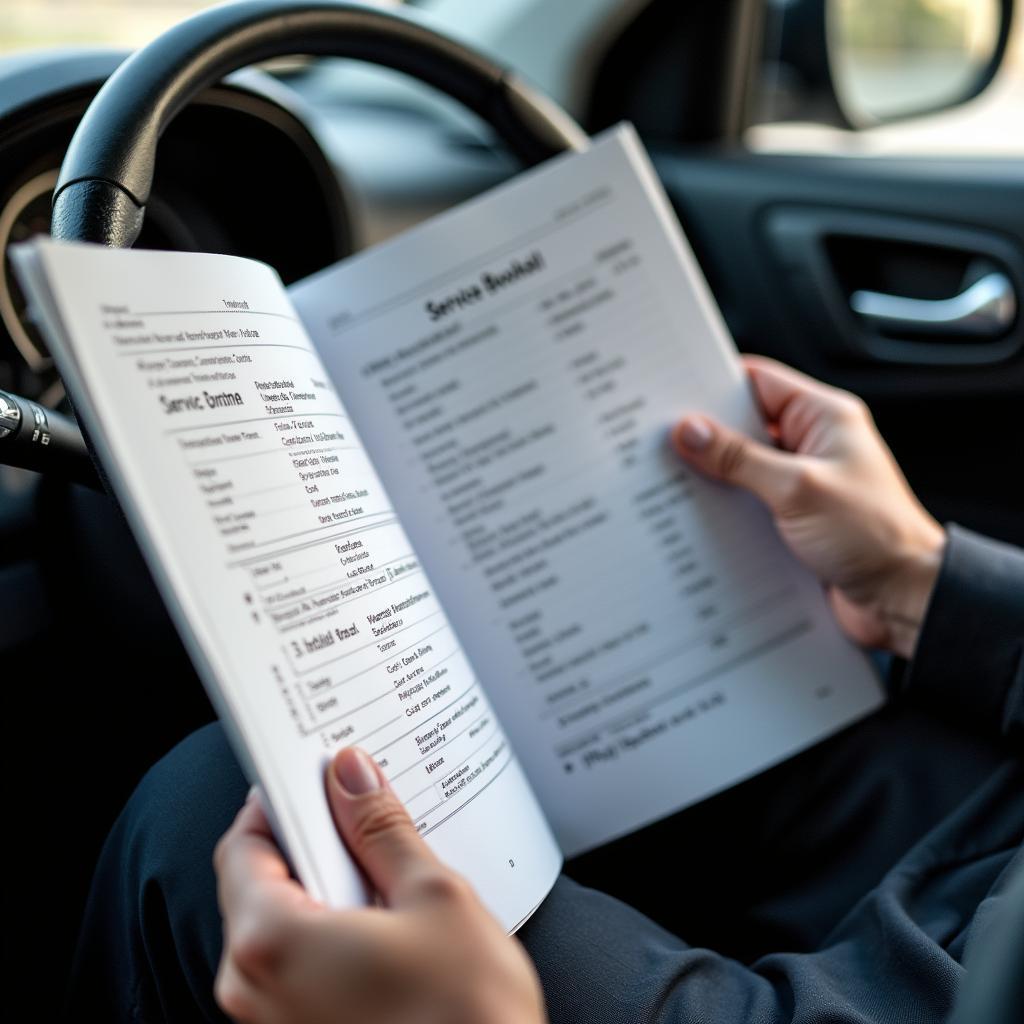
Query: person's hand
point(430, 954)
point(838, 498)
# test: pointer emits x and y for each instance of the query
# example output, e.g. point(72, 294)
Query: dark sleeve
point(970, 655)
point(602, 962)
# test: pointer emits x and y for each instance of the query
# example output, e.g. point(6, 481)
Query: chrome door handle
point(985, 309)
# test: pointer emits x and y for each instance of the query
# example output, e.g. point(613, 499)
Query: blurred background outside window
point(873, 62)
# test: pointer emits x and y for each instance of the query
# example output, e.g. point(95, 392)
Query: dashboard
point(238, 172)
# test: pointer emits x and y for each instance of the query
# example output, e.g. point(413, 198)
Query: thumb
point(376, 827)
point(731, 456)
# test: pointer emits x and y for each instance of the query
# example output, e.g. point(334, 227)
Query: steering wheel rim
point(107, 174)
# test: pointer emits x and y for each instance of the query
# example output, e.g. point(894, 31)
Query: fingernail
point(694, 433)
point(356, 772)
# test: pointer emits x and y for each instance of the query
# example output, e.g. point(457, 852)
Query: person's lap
point(771, 864)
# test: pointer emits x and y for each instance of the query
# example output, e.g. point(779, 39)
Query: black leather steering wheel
point(107, 174)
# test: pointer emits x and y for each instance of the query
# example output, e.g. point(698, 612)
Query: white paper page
point(643, 634)
point(280, 555)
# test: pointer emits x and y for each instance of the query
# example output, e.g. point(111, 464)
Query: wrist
point(910, 587)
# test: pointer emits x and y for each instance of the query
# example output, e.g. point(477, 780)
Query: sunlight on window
point(118, 23)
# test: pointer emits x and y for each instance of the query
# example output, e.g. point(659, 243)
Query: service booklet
point(424, 502)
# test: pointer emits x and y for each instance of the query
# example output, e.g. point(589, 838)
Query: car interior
point(297, 142)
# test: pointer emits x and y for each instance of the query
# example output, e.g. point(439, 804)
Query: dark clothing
point(845, 885)
point(970, 656)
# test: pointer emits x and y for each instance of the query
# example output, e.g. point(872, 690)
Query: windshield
point(118, 23)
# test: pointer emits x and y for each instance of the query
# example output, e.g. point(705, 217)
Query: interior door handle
point(985, 309)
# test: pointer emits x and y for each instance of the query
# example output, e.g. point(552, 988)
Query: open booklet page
point(514, 366)
point(280, 554)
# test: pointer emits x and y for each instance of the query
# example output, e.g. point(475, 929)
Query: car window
point(34, 23)
point(120, 23)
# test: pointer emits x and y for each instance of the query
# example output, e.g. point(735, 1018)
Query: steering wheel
point(107, 174)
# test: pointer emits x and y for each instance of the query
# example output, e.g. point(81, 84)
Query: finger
point(250, 866)
point(730, 456)
point(235, 994)
point(375, 825)
point(776, 385)
point(801, 411)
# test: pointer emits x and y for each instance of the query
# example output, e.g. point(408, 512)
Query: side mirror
point(894, 59)
point(858, 63)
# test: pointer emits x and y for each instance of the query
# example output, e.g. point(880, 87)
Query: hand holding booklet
point(423, 503)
